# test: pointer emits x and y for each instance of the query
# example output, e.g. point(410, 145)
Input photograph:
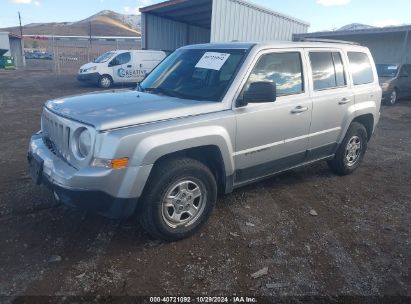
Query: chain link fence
point(65, 55)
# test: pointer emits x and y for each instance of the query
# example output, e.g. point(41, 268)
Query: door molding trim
point(268, 146)
point(268, 169)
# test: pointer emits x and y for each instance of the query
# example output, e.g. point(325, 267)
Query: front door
point(122, 68)
point(273, 136)
point(404, 81)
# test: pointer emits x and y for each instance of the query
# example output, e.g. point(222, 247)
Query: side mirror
point(261, 91)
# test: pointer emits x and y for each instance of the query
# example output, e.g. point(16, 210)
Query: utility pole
point(21, 28)
point(90, 31)
point(89, 48)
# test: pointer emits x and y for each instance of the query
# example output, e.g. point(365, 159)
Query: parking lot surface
point(359, 243)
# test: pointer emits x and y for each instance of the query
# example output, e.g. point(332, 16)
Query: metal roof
point(194, 12)
point(377, 30)
point(11, 35)
point(199, 12)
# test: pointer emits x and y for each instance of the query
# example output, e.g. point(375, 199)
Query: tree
point(35, 44)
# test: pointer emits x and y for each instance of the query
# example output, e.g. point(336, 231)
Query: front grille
point(56, 134)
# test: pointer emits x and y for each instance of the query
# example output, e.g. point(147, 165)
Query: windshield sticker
point(212, 61)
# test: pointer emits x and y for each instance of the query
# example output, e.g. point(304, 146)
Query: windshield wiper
point(164, 91)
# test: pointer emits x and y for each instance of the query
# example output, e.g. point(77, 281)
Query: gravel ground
point(358, 244)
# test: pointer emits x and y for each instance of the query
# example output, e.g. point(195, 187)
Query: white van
point(120, 67)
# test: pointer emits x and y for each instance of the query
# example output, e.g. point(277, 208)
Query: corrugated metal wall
point(16, 50)
point(231, 20)
point(164, 34)
point(4, 42)
point(238, 20)
point(385, 47)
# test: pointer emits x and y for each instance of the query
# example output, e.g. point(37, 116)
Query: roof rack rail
point(302, 39)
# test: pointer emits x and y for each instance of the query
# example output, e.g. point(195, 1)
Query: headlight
point(91, 69)
point(385, 85)
point(84, 143)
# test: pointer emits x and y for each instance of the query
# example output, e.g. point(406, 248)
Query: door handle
point(299, 109)
point(129, 66)
point(344, 101)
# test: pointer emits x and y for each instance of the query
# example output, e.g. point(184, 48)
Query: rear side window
point(282, 68)
point(327, 69)
point(361, 69)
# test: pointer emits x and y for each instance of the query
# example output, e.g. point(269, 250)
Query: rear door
point(331, 95)
point(150, 60)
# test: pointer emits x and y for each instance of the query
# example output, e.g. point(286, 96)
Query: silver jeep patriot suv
point(209, 118)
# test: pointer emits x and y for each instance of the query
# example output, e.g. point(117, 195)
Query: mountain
point(355, 27)
point(104, 23)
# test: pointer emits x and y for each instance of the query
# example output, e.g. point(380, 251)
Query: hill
point(104, 23)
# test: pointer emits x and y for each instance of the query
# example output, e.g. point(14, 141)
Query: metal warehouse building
point(389, 45)
point(14, 46)
point(172, 24)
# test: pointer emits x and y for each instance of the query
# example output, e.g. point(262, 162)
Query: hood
point(385, 79)
point(121, 108)
point(89, 65)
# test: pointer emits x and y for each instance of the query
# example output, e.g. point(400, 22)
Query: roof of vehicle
point(274, 44)
point(137, 51)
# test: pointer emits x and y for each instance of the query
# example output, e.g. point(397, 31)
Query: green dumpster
point(6, 62)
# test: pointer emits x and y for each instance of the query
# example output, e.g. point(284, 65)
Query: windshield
point(197, 74)
point(387, 70)
point(104, 57)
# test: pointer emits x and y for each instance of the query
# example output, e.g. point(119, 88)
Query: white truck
point(120, 67)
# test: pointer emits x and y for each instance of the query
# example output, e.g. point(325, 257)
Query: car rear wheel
point(351, 151)
point(392, 98)
point(180, 196)
point(105, 81)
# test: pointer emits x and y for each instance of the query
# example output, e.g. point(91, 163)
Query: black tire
point(340, 164)
point(105, 81)
point(392, 98)
point(165, 175)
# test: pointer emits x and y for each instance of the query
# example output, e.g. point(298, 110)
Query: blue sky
point(321, 14)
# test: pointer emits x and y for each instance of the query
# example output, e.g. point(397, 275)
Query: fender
point(358, 109)
point(151, 148)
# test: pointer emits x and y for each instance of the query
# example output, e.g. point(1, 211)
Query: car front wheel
point(105, 81)
point(180, 196)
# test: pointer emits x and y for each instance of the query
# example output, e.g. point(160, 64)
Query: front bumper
point(89, 78)
point(93, 189)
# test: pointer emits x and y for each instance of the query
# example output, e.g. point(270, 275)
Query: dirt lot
point(359, 244)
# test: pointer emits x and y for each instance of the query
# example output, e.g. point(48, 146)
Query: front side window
point(120, 59)
point(360, 67)
point(387, 70)
point(327, 70)
point(405, 70)
point(284, 69)
point(196, 74)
